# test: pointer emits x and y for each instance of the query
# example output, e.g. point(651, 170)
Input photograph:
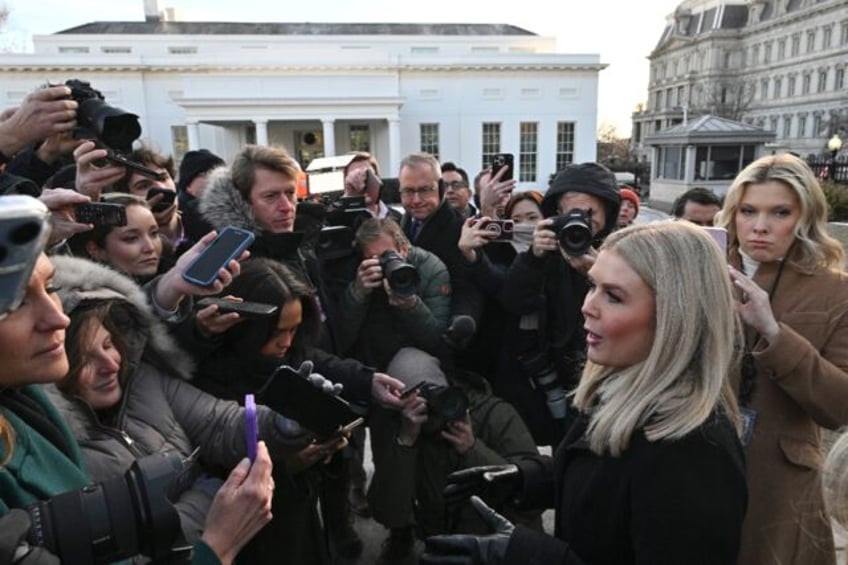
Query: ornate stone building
point(776, 64)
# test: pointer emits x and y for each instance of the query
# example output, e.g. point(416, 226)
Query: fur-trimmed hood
point(221, 204)
point(80, 280)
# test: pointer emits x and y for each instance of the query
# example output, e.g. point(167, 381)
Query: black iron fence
point(828, 168)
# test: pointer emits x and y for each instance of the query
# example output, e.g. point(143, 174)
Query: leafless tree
point(728, 98)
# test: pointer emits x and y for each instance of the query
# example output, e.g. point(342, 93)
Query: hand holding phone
point(251, 426)
point(229, 245)
point(101, 214)
point(501, 160)
point(244, 308)
point(165, 202)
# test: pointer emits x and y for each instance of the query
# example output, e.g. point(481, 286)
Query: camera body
point(543, 376)
point(444, 403)
point(24, 229)
point(574, 231)
point(117, 518)
point(403, 278)
point(116, 128)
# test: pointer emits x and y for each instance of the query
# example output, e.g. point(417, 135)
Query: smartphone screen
point(251, 426)
point(229, 244)
point(100, 214)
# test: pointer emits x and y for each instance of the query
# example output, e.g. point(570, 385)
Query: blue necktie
point(414, 228)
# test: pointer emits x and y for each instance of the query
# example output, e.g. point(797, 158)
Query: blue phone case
point(251, 426)
point(230, 244)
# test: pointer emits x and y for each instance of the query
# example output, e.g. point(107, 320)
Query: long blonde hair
point(695, 347)
point(816, 250)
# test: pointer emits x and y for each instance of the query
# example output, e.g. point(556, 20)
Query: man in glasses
point(457, 190)
point(431, 223)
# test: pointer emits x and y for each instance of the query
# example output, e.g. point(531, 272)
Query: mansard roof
point(304, 28)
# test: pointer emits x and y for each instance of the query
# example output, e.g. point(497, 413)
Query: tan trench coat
point(801, 386)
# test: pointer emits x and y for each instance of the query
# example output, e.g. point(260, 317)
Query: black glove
point(495, 482)
point(13, 546)
point(463, 549)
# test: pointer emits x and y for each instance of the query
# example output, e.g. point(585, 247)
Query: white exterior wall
point(293, 83)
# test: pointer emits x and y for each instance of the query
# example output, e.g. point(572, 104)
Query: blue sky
point(623, 32)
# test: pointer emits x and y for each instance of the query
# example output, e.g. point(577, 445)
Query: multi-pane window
point(658, 101)
point(791, 90)
point(430, 139)
point(839, 79)
point(764, 89)
point(802, 126)
point(773, 124)
point(755, 55)
point(668, 98)
point(811, 40)
point(360, 138)
point(822, 81)
point(805, 85)
point(827, 32)
point(529, 150)
point(778, 86)
point(796, 45)
point(565, 144)
point(817, 121)
point(680, 99)
point(491, 142)
point(781, 49)
point(787, 126)
point(843, 34)
point(767, 53)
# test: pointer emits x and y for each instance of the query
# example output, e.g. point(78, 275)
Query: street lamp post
point(834, 144)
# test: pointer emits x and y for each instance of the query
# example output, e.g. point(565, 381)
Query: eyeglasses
point(456, 185)
point(423, 192)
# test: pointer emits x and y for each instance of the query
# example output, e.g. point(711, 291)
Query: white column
point(261, 131)
point(394, 147)
point(329, 137)
point(193, 135)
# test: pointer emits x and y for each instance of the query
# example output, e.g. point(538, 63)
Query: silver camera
point(24, 229)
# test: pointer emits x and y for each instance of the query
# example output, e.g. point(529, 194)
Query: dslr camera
point(117, 518)
point(403, 278)
point(114, 127)
point(574, 231)
point(444, 403)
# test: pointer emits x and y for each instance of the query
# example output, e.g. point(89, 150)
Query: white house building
point(460, 91)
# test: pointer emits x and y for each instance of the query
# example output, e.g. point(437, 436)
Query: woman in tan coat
point(793, 299)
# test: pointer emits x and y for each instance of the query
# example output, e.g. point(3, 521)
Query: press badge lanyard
point(749, 373)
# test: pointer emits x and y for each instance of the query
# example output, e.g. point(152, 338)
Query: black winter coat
point(661, 502)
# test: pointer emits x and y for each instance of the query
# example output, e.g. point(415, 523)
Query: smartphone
point(372, 181)
point(119, 159)
point(294, 397)
point(502, 230)
point(24, 229)
point(168, 197)
point(101, 214)
point(408, 391)
point(229, 245)
point(501, 160)
point(251, 426)
point(246, 309)
point(720, 237)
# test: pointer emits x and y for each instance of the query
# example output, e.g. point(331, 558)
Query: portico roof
point(709, 129)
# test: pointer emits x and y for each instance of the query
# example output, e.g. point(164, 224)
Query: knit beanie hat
point(627, 194)
point(196, 163)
